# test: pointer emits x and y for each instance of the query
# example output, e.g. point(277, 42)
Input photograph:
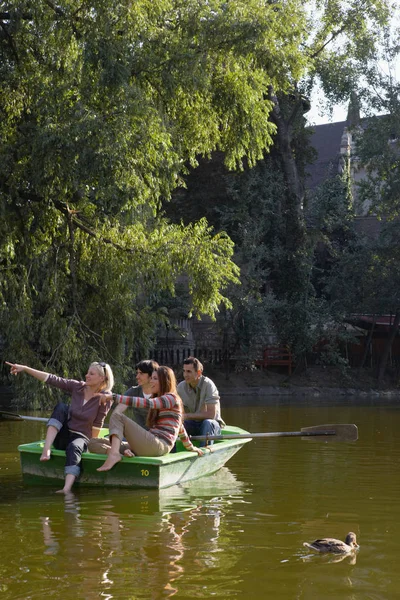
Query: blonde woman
point(71, 427)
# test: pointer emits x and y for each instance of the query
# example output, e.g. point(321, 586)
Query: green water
point(237, 534)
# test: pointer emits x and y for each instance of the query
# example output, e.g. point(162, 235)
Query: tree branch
point(334, 35)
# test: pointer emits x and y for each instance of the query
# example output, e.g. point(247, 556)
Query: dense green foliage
point(105, 107)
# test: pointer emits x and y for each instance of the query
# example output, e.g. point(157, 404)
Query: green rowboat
point(138, 472)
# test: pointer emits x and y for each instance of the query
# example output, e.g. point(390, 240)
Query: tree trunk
point(386, 352)
point(367, 345)
point(291, 203)
point(284, 136)
point(293, 283)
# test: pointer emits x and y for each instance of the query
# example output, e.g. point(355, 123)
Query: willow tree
point(104, 104)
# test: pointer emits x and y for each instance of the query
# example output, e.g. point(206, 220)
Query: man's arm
point(209, 412)
point(209, 404)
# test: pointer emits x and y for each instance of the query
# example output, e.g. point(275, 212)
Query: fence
point(174, 357)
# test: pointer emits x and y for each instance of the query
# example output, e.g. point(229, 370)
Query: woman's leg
point(117, 433)
point(99, 445)
point(56, 427)
point(114, 455)
point(103, 445)
point(50, 437)
point(69, 482)
point(73, 453)
point(141, 442)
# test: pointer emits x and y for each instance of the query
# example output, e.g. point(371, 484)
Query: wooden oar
point(330, 433)
point(10, 416)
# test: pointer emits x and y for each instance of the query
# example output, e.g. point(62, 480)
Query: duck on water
point(335, 546)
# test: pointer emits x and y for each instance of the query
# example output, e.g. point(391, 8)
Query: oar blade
point(9, 416)
point(342, 433)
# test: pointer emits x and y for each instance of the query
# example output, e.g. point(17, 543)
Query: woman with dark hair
point(164, 422)
point(70, 427)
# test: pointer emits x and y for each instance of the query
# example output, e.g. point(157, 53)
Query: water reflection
point(351, 558)
point(106, 539)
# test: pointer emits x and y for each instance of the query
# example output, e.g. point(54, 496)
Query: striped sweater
point(169, 424)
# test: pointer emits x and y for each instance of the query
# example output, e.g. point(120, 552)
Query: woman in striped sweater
point(164, 422)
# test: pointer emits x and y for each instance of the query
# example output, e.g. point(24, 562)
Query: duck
point(335, 546)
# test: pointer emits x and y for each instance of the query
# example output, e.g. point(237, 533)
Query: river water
point(236, 534)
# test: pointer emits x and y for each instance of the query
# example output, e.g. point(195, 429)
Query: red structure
point(276, 355)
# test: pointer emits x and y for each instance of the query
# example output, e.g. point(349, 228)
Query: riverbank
point(314, 381)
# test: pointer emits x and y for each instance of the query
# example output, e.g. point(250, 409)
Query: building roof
point(382, 322)
point(326, 140)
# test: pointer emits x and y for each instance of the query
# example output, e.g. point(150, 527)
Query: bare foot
point(67, 491)
point(112, 460)
point(46, 454)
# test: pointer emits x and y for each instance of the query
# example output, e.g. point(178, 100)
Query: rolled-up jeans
point(205, 427)
point(73, 442)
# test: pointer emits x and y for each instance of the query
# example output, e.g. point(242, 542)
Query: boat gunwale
point(183, 455)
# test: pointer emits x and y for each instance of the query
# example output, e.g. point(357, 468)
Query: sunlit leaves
point(104, 105)
point(345, 38)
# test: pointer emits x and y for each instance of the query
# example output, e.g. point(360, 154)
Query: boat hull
point(137, 472)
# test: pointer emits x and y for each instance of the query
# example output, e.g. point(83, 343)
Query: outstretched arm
point(15, 369)
point(166, 401)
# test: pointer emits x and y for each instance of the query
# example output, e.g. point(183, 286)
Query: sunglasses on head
point(103, 366)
